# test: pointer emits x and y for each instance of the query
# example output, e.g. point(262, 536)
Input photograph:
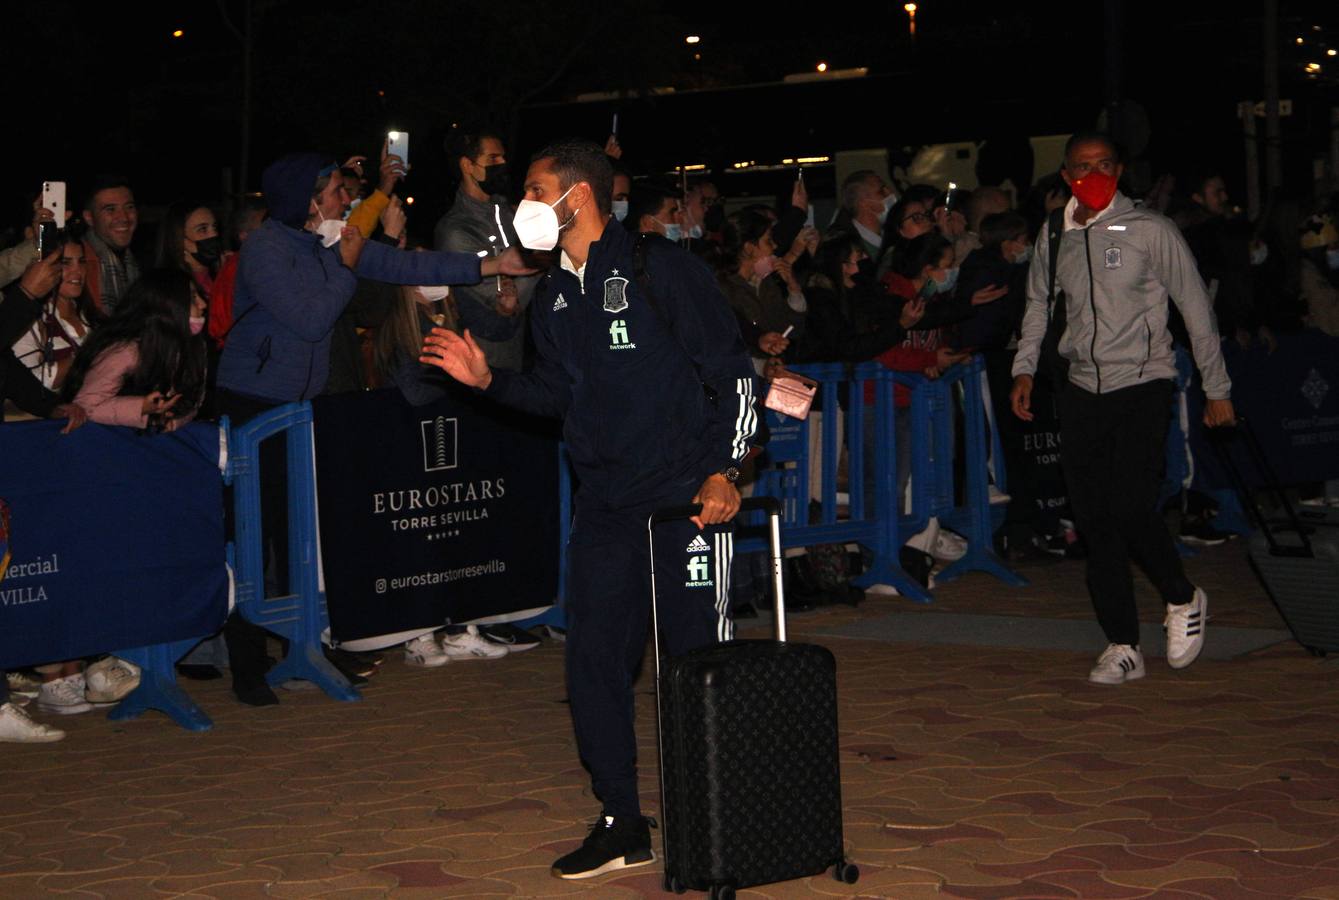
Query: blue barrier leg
point(305, 659)
point(976, 524)
point(158, 688)
point(886, 569)
point(300, 616)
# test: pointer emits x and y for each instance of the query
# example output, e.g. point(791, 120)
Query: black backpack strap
point(1055, 230)
point(643, 276)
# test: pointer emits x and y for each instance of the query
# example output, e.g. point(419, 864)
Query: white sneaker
point(109, 680)
point(17, 728)
point(1185, 630)
point(1118, 664)
point(22, 685)
point(997, 496)
point(425, 652)
point(64, 696)
point(469, 644)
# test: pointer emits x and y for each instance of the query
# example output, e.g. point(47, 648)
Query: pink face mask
point(764, 266)
point(197, 324)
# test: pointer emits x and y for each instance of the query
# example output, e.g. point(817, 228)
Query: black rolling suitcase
point(749, 769)
point(1296, 557)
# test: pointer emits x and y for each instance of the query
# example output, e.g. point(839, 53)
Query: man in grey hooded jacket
point(1117, 266)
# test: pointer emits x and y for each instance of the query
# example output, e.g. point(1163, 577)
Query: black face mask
point(865, 271)
point(495, 180)
point(209, 251)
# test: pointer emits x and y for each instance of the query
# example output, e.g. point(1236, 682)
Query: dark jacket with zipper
point(625, 373)
point(1116, 274)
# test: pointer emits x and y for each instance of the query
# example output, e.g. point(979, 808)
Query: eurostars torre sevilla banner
point(433, 514)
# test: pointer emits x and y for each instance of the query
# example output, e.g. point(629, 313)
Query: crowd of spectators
point(236, 315)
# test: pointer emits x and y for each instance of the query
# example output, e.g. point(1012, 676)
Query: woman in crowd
point(145, 366)
point(47, 348)
point(767, 317)
point(188, 239)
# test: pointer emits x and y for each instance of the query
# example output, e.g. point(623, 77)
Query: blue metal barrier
point(973, 519)
point(879, 523)
point(783, 473)
point(299, 616)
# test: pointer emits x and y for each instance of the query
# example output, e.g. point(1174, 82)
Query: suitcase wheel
point(845, 872)
point(721, 892)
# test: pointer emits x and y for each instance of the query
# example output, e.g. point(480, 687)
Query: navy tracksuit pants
point(608, 608)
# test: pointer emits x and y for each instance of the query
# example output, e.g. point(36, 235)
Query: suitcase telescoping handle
point(1262, 465)
point(769, 505)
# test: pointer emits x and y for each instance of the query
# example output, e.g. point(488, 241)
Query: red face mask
point(1094, 190)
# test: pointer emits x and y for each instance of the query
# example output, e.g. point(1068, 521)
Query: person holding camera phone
point(21, 307)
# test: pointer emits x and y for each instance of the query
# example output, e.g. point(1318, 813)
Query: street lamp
point(178, 33)
point(692, 39)
point(822, 67)
point(911, 17)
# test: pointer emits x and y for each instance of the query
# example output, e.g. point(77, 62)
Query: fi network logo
point(618, 336)
point(439, 443)
point(699, 572)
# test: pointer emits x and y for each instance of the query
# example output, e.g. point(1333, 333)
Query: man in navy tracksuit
point(626, 372)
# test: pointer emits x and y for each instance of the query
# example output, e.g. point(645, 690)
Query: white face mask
point(1259, 253)
point(431, 293)
point(537, 225)
point(695, 232)
point(330, 230)
point(620, 209)
point(888, 203)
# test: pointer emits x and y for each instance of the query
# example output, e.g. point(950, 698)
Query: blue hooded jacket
point(290, 290)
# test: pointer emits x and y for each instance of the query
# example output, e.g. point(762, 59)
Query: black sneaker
point(513, 638)
point(1199, 531)
point(612, 844)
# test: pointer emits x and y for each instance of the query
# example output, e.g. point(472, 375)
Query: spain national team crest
point(4, 539)
point(615, 293)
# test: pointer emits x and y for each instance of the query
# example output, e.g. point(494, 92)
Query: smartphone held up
point(53, 200)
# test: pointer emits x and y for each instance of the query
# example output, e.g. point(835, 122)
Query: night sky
point(111, 90)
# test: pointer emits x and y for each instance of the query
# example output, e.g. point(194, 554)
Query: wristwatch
point(730, 473)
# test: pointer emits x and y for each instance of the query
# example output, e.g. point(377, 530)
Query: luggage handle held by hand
point(769, 505)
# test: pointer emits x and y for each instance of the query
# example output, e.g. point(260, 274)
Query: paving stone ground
point(967, 772)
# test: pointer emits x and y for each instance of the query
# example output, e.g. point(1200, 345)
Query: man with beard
point(655, 389)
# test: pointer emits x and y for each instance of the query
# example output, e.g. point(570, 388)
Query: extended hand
point(73, 412)
point(508, 298)
point(41, 277)
point(458, 356)
point(1218, 413)
point(1020, 398)
point(393, 219)
point(719, 499)
point(510, 262)
point(988, 294)
point(773, 343)
point(912, 311)
point(351, 242)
